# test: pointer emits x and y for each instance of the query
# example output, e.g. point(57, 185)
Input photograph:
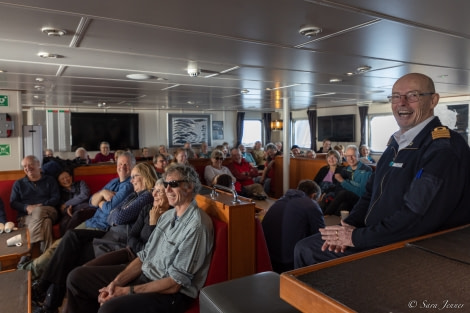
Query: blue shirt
point(122, 190)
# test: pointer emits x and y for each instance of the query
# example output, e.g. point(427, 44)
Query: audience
point(170, 270)
point(181, 156)
point(245, 174)
point(104, 155)
point(35, 198)
point(258, 155)
point(365, 155)
point(268, 171)
point(295, 151)
point(325, 147)
point(279, 146)
point(340, 149)
point(79, 246)
point(160, 162)
point(246, 155)
point(73, 205)
point(189, 150)
point(310, 154)
point(81, 156)
point(325, 178)
point(352, 180)
point(204, 153)
point(216, 168)
point(163, 151)
point(145, 154)
point(294, 216)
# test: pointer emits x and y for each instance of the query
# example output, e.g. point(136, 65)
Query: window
point(381, 128)
point(301, 134)
point(252, 131)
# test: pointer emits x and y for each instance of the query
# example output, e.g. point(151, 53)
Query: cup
point(344, 215)
point(9, 227)
point(14, 241)
point(2, 227)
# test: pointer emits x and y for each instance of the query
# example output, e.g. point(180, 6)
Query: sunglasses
point(173, 183)
point(219, 159)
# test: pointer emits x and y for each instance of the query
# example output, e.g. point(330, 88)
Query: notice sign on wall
point(3, 101)
point(4, 150)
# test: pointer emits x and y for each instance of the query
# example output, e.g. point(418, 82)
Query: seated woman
point(181, 156)
point(140, 232)
point(104, 155)
point(163, 150)
point(325, 178)
point(216, 168)
point(76, 247)
point(365, 155)
point(159, 163)
point(74, 198)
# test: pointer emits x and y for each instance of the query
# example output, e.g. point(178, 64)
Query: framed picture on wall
point(217, 130)
point(193, 128)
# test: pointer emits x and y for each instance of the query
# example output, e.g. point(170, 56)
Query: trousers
point(39, 224)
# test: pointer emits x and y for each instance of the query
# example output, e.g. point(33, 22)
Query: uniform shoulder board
point(440, 132)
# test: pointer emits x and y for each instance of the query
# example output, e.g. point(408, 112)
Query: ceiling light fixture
point(140, 76)
point(309, 30)
point(46, 55)
point(39, 79)
point(38, 87)
point(244, 91)
point(335, 80)
point(53, 32)
point(3, 71)
point(363, 69)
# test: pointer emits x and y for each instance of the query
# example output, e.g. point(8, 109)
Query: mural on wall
point(193, 128)
point(217, 130)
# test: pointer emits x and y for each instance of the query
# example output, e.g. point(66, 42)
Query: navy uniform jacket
point(418, 190)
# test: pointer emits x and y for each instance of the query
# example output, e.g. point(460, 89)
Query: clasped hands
point(111, 291)
point(337, 237)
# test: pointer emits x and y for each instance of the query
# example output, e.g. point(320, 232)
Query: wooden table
point(15, 291)
point(9, 256)
point(426, 274)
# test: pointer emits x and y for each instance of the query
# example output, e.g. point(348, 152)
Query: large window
point(252, 131)
point(301, 133)
point(381, 128)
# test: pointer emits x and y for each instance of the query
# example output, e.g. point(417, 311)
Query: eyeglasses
point(135, 176)
point(412, 96)
point(219, 159)
point(173, 183)
point(350, 156)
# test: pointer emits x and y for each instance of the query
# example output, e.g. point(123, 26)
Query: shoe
point(37, 295)
point(23, 260)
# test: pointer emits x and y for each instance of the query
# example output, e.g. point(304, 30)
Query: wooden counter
point(422, 273)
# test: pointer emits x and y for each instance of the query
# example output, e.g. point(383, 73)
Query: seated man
point(246, 155)
point(420, 184)
point(353, 180)
point(35, 197)
point(295, 151)
point(81, 156)
point(244, 172)
point(105, 154)
point(168, 273)
point(293, 217)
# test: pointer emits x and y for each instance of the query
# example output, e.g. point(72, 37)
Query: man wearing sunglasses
point(420, 184)
point(168, 273)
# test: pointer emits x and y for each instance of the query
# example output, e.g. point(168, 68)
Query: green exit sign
point(4, 150)
point(3, 101)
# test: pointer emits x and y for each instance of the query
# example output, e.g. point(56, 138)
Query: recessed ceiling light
point(39, 79)
point(139, 76)
point(349, 74)
point(309, 30)
point(336, 80)
point(46, 55)
point(362, 69)
point(3, 71)
point(244, 91)
point(38, 87)
point(54, 32)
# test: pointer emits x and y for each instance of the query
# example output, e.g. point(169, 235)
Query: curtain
point(267, 127)
point(240, 119)
point(362, 116)
point(312, 122)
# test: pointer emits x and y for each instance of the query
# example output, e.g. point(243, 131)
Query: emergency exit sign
point(4, 150)
point(3, 101)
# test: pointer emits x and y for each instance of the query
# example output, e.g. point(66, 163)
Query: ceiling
point(253, 46)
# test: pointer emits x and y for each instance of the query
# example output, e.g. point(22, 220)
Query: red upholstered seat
point(218, 269)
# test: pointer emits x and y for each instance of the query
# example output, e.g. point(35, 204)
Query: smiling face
point(31, 168)
point(408, 115)
point(104, 149)
point(65, 180)
point(124, 167)
point(160, 163)
point(180, 196)
point(137, 180)
point(159, 196)
point(182, 157)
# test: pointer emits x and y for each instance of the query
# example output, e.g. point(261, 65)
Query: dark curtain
point(267, 127)
point(240, 119)
point(312, 122)
point(362, 116)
